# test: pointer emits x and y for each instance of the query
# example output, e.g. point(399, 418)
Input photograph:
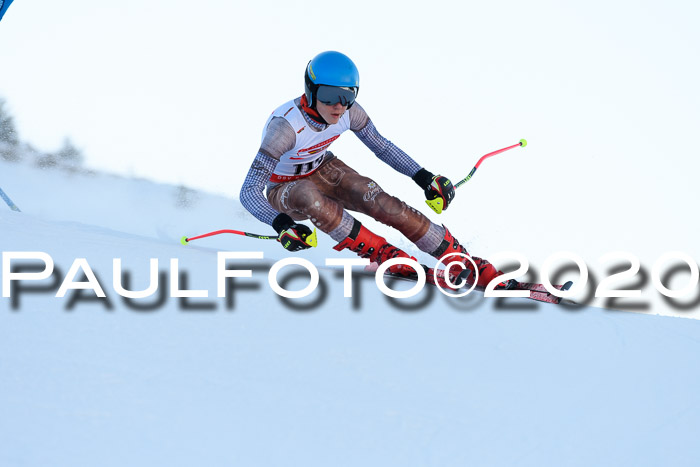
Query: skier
point(304, 180)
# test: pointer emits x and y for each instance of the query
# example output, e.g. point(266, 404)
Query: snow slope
point(356, 381)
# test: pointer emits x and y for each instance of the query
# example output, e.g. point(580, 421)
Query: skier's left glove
point(439, 191)
point(293, 236)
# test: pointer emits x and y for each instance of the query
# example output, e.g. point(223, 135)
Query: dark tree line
point(14, 150)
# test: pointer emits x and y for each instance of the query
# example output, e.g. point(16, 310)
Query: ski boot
point(369, 245)
point(456, 273)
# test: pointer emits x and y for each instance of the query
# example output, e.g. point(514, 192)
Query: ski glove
point(293, 236)
point(439, 191)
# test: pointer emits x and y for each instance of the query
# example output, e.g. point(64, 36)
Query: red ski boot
point(369, 245)
point(451, 246)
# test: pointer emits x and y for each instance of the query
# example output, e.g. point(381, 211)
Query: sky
point(179, 92)
point(605, 93)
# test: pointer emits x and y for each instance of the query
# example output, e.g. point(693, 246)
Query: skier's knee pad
point(299, 195)
point(392, 211)
point(387, 206)
point(305, 198)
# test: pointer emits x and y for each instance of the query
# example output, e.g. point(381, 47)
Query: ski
point(537, 291)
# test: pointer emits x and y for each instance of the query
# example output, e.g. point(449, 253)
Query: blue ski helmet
point(331, 70)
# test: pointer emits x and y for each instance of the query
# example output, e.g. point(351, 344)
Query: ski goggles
point(331, 95)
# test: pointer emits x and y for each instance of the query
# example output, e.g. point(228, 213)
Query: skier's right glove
point(293, 236)
point(439, 191)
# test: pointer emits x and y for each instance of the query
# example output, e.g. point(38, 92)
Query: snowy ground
point(256, 381)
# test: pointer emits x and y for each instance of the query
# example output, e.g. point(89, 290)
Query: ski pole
point(436, 204)
point(8, 201)
point(311, 239)
point(522, 143)
point(185, 240)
